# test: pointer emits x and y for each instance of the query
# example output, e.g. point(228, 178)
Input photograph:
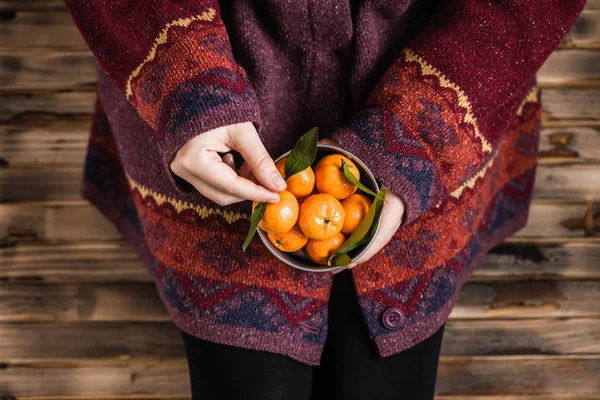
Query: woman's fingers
point(245, 139)
point(221, 176)
point(199, 161)
point(216, 195)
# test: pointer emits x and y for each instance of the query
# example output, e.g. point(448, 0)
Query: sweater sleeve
point(173, 61)
point(433, 124)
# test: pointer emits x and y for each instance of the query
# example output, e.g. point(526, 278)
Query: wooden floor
point(79, 317)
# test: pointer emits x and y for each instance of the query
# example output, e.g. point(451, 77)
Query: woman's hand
point(199, 163)
point(391, 218)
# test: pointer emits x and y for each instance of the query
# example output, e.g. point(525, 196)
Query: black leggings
point(350, 369)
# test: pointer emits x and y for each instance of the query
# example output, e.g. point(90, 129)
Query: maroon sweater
point(438, 100)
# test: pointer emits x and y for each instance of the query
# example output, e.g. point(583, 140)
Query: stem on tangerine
point(327, 220)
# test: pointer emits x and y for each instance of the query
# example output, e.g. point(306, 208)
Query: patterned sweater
point(439, 100)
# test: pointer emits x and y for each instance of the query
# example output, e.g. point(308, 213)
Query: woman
point(438, 100)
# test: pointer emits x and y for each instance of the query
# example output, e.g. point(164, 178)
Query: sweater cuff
point(190, 84)
point(195, 110)
point(403, 167)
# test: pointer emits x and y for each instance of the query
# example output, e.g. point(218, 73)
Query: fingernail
point(278, 181)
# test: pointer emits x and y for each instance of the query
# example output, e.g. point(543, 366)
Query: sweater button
point(393, 318)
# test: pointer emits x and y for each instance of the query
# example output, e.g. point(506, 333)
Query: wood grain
point(556, 260)
point(34, 5)
point(456, 376)
point(54, 222)
point(55, 71)
point(585, 32)
point(99, 343)
point(534, 299)
point(567, 181)
point(570, 67)
point(80, 302)
point(562, 103)
point(115, 261)
point(576, 144)
point(116, 343)
point(74, 262)
point(509, 337)
point(56, 103)
point(139, 301)
point(42, 31)
point(54, 145)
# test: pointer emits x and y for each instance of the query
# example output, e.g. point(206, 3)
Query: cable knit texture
point(439, 100)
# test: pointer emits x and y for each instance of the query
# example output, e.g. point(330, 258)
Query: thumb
point(245, 140)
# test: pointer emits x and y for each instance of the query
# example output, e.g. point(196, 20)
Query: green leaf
point(363, 233)
point(346, 168)
point(303, 154)
point(340, 260)
point(257, 215)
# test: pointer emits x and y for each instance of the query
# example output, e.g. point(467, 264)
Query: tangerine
point(330, 176)
point(321, 216)
point(355, 206)
point(300, 184)
point(279, 217)
point(320, 250)
point(290, 241)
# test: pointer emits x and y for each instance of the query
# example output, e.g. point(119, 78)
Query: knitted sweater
point(438, 100)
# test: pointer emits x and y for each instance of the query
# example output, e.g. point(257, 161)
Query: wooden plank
point(558, 260)
point(456, 376)
point(518, 375)
point(55, 222)
point(160, 379)
point(31, 5)
point(566, 180)
point(43, 31)
point(102, 261)
point(112, 343)
point(99, 343)
point(68, 70)
point(577, 143)
point(80, 302)
point(62, 145)
point(39, 184)
point(566, 103)
point(115, 261)
point(140, 302)
point(573, 67)
point(55, 71)
point(80, 221)
point(534, 299)
point(585, 32)
point(558, 220)
point(509, 337)
point(68, 103)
